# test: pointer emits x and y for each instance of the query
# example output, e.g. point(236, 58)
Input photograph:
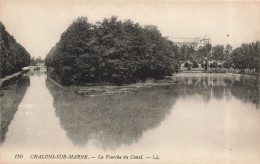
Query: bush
point(213, 65)
point(195, 64)
point(186, 65)
point(226, 65)
point(246, 56)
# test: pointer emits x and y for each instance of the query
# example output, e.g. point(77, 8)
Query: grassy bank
point(6, 80)
point(9, 80)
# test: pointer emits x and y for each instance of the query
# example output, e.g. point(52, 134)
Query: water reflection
point(221, 86)
point(110, 120)
point(37, 73)
point(12, 96)
point(200, 116)
point(247, 90)
point(119, 119)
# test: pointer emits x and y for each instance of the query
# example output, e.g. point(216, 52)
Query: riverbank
point(11, 96)
point(95, 89)
point(109, 89)
point(53, 81)
point(5, 81)
point(222, 70)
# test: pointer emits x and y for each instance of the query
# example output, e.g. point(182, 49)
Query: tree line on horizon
point(246, 56)
point(13, 56)
point(35, 61)
point(110, 51)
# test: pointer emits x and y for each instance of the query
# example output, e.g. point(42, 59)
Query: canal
point(188, 118)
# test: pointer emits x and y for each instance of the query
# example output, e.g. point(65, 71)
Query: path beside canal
point(4, 81)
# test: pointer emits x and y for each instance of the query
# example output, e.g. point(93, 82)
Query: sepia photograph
point(129, 82)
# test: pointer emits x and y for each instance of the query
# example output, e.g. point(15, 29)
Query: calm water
point(193, 118)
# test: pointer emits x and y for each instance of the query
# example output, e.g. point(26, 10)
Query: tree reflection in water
point(247, 89)
point(12, 96)
point(113, 120)
point(220, 86)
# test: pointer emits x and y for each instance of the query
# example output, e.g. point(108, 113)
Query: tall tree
point(218, 52)
point(13, 56)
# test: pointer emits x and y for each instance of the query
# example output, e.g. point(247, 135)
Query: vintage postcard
point(122, 81)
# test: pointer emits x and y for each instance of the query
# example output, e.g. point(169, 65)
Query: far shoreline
point(151, 82)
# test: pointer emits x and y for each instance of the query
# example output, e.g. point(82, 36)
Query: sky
point(38, 24)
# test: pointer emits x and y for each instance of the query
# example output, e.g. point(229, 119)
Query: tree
point(36, 61)
point(226, 65)
point(239, 59)
point(247, 56)
point(218, 52)
point(187, 52)
point(227, 58)
point(13, 55)
point(177, 52)
point(202, 53)
point(110, 51)
point(227, 51)
point(187, 65)
point(205, 64)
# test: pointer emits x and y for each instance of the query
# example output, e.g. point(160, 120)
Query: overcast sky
point(38, 24)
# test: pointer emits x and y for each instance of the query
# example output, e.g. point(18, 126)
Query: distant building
point(194, 42)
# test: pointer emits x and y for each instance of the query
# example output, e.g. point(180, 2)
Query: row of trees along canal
point(119, 52)
point(13, 56)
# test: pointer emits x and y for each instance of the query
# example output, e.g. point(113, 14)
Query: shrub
point(213, 65)
point(186, 65)
point(195, 64)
